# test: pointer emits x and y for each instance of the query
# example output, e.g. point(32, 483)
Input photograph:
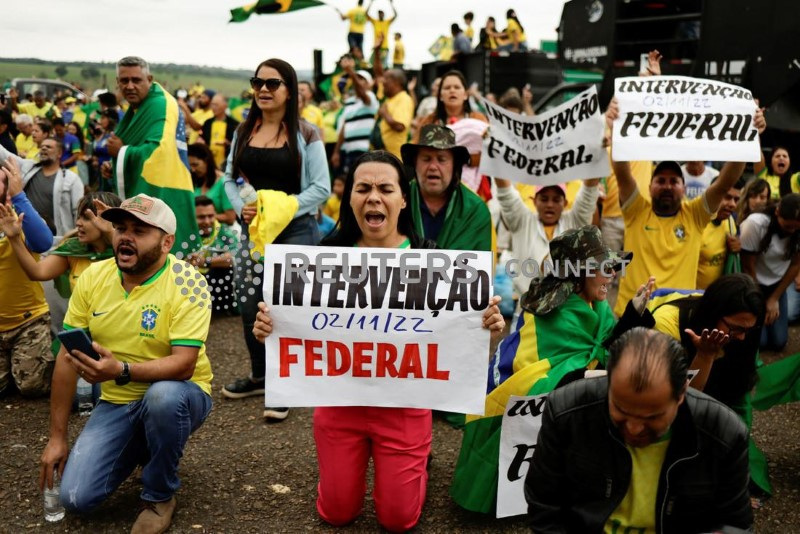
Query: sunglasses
point(273, 84)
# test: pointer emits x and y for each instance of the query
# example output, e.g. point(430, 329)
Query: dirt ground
point(233, 463)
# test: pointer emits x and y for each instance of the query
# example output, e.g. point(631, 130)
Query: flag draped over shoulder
point(467, 223)
point(153, 161)
point(531, 361)
point(269, 7)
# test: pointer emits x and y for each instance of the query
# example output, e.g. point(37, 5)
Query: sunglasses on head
point(272, 83)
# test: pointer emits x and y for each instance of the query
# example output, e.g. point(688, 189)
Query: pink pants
point(399, 441)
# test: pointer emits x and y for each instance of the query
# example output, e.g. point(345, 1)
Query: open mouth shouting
point(125, 252)
point(374, 219)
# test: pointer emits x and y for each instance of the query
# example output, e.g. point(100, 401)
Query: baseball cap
point(70, 100)
point(149, 210)
point(560, 186)
point(364, 74)
point(668, 166)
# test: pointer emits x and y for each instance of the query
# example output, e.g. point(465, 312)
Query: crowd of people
point(113, 224)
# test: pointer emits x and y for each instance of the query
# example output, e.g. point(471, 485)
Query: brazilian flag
point(270, 7)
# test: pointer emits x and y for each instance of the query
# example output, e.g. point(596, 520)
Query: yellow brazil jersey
point(217, 142)
point(358, 19)
point(637, 511)
point(512, 28)
point(22, 300)
point(714, 251)
point(665, 247)
point(313, 114)
point(469, 32)
point(77, 266)
point(399, 56)
point(48, 111)
point(401, 108)
point(332, 207)
point(668, 317)
point(381, 29)
point(775, 183)
point(201, 116)
point(24, 144)
point(172, 308)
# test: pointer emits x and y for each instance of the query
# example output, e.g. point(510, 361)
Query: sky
point(197, 31)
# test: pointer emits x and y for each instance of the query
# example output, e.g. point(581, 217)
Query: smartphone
point(78, 339)
point(643, 62)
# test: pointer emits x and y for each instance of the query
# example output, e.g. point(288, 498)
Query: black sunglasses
point(273, 84)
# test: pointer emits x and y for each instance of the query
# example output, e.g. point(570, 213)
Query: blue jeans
point(301, 231)
point(792, 303)
point(775, 336)
point(151, 431)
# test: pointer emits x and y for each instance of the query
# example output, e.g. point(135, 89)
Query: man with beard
point(665, 233)
point(197, 118)
point(148, 314)
point(719, 238)
point(638, 450)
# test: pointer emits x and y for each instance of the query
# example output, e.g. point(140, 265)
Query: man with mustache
point(638, 450)
point(148, 314)
point(665, 233)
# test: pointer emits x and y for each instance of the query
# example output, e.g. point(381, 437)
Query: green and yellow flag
point(270, 7)
point(153, 161)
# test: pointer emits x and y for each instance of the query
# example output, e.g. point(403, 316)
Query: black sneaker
point(243, 387)
point(276, 414)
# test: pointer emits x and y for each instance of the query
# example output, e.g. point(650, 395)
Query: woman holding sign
point(375, 213)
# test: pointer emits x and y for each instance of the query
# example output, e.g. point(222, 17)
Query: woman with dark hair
point(82, 169)
point(755, 197)
point(80, 248)
point(102, 131)
point(375, 212)
point(487, 36)
point(207, 181)
point(273, 150)
point(778, 173)
point(771, 256)
point(515, 33)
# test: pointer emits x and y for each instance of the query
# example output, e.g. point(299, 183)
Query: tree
point(90, 73)
point(61, 70)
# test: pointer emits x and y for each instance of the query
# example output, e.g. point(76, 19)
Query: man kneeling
point(148, 314)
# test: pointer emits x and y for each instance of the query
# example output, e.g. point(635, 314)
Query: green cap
point(437, 137)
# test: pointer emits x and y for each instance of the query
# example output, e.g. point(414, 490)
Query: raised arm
point(622, 169)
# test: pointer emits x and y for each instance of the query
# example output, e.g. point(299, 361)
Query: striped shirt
point(358, 120)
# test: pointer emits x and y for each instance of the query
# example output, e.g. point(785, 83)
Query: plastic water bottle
point(85, 399)
point(53, 510)
point(246, 191)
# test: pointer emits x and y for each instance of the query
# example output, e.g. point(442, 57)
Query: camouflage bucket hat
point(436, 137)
point(574, 252)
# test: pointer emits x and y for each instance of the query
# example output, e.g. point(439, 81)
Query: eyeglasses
point(273, 84)
point(734, 329)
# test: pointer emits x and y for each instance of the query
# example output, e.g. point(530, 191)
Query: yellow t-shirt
point(399, 56)
point(469, 32)
point(22, 300)
point(76, 268)
point(637, 511)
point(24, 144)
point(775, 183)
point(642, 172)
point(401, 108)
point(381, 29)
point(33, 154)
point(173, 308)
point(201, 116)
point(668, 317)
point(665, 247)
point(47, 111)
point(713, 251)
point(332, 207)
point(313, 114)
point(512, 28)
point(358, 19)
point(217, 142)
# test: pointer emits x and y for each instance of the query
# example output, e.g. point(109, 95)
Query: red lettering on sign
point(433, 362)
point(384, 360)
point(313, 356)
point(411, 364)
point(334, 347)
point(285, 357)
point(361, 358)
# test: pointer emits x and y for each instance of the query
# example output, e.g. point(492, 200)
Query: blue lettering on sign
point(356, 321)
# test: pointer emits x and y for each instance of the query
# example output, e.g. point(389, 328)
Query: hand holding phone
point(79, 340)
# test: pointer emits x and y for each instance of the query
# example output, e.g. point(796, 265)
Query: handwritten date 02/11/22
point(391, 322)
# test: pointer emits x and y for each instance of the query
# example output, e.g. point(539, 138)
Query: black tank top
point(270, 168)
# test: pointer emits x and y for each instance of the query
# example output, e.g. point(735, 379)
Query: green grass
point(231, 83)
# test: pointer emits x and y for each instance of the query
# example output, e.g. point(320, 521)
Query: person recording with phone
point(148, 313)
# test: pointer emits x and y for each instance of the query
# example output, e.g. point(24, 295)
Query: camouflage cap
point(437, 137)
point(571, 253)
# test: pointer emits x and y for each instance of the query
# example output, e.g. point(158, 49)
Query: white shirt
point(772, 264)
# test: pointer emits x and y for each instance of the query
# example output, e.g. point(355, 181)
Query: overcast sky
point(198, 32)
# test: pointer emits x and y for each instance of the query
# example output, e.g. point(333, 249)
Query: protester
point(461, 43)
point(357, 119)
point(443, 209)
point(399, 54)
point(397, 439)
point(26, 362)
point(309, 110)
point(39, 108)
point(778, 173)
point(683, 467)
point(665, 233)
point(469, 31)
point(102, 131)
point(380, 27)
point(215, 259)
point(355, 35)
point(6, 141)
point(334, 202)
point(78, 250)
point(71, 146)
point(487, 36)
point(275, 152)
point(515, 34)
point(197, 118)
point(720, 240)
point(566, 326)
point(54, 192)
point(452, 103)
point(145, 148)
point(24, 140)
point(207, 180)
point(697, 176)
point(154, 373)
point(755, 197)
point(217, 131)
point(40, 131)
point(396, 112)
point(771, 256)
